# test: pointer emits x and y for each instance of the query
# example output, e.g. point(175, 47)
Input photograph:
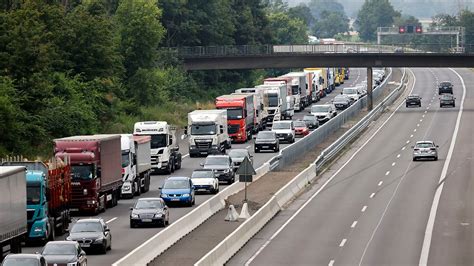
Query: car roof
point(244, 150)
point(62, 242)
point(285, 122)
point(425, 141)
point(23, 255)
point(202, 170)
point(98, 219)
point(447, 95)
point(151, 198)
point(414, 95)
point(177, 178)
point(266, 132)
point(217, 156)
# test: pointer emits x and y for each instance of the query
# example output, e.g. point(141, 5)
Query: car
point(179, 190)
point(300, 128)
point(311, 121)
point(352, 92)
point(64, 253)
point(447, 100)
point(266, 140)
point(222, 166)
point(91, 234)
point(425, 149)
point(149, 211)
point(285, 131)
point(323, 112)
point(413, 100)
point(24, 260)
point(342, 102)
point(445, 87)
point(205, 180)
point(238, 156)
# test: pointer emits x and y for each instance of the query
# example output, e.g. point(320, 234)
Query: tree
point(317, 7)
point(251, 23)
point(374, 14)
point(287, 30)
point(331, 24)
point(302, 12)
point(466, 19)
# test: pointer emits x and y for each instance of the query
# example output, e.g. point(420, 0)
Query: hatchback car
point(178, 189)
point(323, 112)
point(300, 128)
point(445, 87)
point(149, 211)
point(238, 156)
point(413, 100)
point(24, 260)
point(64, 253)
point(222, 166)
point(311, 121)
point(92, 233)
point(342, 102)
point(425, 149)
point(266, 140)
point(447, 100)
point(205, 180)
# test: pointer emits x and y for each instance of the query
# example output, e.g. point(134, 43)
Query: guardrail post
point(369, 89)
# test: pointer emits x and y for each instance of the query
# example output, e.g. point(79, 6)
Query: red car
point(301, 128)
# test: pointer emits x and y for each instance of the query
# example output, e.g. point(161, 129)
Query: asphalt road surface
point(381, 207)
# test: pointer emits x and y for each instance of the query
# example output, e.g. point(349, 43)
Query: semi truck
point(13, 224)
point(299, 88)
point(164, 149)
point(292, 102)
point(319, 79)
point(207, 132)
point(240, 115)
point(259, 107)
point(48, 197)
point(95, 170)
point(136, 164)
point(277, 108)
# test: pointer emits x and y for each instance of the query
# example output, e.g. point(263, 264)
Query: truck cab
point(131, 186)
point(165, 155)
point(240, 115)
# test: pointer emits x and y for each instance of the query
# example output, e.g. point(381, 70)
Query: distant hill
point(417, 8)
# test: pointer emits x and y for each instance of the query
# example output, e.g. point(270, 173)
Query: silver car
point(425, 149)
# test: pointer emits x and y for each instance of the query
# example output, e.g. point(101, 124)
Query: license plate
point(281, 138)
point(265, 147)
point(74, 209)
point(146, 220)
point(85, 245)
point(174, 199)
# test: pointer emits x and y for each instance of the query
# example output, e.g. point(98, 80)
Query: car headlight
point(99, 240)
point(38, 229)
point(164, 195)
point(186, 195)
point(226, 171)
point(159, 215)
point(68, 238)
point(134, 215)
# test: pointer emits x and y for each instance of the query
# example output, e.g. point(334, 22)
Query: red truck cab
point(240, 115)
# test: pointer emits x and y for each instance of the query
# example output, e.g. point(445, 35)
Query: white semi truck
point(277, 102)
point(299, 89)
point(136, 164)
point(165, 155)
point(207, 132)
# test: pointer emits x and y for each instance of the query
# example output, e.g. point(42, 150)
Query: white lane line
point(111, 220)
point(404, 148)
point(428, 107)
point(411, 136)
point(186, 155)
point(331, 263)
point(398, 156)
point(394, 163)
point(423, 116)
point(417, 125)
point(408, 141)
point(380, 183)
point(414, 130)
point(387, 173)
point(353, 225)
point(342, 243)
point(426, 112)
point(434, 207)
point(372, 195)
point(421, 120)
point(364, 208)
point(326, 183)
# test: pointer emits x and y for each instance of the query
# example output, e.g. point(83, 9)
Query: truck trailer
point(136, 165)
point(13, 224)
point(299, 86)
point(260, 111)
point(240, 115)
point(96, 166)
point(277, 106)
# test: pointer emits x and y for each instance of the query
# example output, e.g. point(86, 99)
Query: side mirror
point(437, 146)
point(66, 230)
point(83, 253)
point(131, 208)
point(254, 137)
point(160, 188)
point(309, 112)
point(222, 131)
point(186, 131)
point(107, 229)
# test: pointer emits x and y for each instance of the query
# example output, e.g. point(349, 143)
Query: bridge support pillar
point(369, 89)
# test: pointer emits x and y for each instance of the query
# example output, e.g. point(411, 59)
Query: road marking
point(111, 220)
point(411, 136)
point(331, 263)
point(428, 107)
point(372, 195)
point(186, 155)
point(248, 146)
point(387, 173)
point(364, 208)
point(426, 112)
point(380, 183)
point(393, 164)
point(353, 225)
point(408, 141)
point(434, 207)
point(414, 130)
point(417, 125)
point(421, 120)
point(404, 147)
point(423, 116)
point(398, 155)
point(342, 242)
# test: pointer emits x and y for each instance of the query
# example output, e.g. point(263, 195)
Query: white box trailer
point(300, 88)
point(136, 164)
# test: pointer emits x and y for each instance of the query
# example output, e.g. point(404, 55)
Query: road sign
point(246, 168)
point(245, 178)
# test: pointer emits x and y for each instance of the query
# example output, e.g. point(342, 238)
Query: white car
point(352, 92)
point(285, 130)
point(323, 112)
point(205, 180)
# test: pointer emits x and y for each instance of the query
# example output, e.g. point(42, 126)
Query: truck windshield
point(158, 141)
point(84, 172)
point(234, 113)
point(33, 194)
point(125, 159)
point(295, 90)
point(272, 99)
point(206, 129)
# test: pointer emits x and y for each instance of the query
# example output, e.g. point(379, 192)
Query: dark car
point(24, 260)
point(445, 87)
point(311, 121)
point(266, 140)
point(64, 253)
point(222, 166)
point(149, 211)
point(413, 100)
point(178, 189)
point(447, 100)
point(341, 102)
point(91, 234)
point(238, 156)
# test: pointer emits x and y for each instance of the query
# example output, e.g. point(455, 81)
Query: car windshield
point(309, 118)
point(176, 184)
point(340, 98)
point(300, 124)
point(350, 91)
point(233, 114)
point(59, 249)
point(445, 84)
point(413, 97)
point(238, 153)
point(86, 227)
point(319, 109)
point(202, 174)
point(203, 129)
point(158, 141)
point(446, 97)
point(148, 204)
point(281, 126)
point(266, 135)
point(217, 161)
point(84, 172)
point(125, 159)
point(21, 262)
point(424, 145)
point(295, 90)
point(33, 194)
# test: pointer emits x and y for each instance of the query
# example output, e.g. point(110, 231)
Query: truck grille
point(77, 196)
point(203, 145)
point(232, 129)
point(271, 112)
point(154, 159)
point(30, 214)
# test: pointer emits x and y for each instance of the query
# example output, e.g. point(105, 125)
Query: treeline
point(71, 67)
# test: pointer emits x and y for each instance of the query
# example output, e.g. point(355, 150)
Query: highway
point(125, 239)
point(380, 207)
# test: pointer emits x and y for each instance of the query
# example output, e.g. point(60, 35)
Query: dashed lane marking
point(353, 225)
point(111, 220)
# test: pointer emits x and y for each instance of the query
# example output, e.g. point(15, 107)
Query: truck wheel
point(138, 188)
point(52, 232)
point(178, 164)
point(169, 168)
